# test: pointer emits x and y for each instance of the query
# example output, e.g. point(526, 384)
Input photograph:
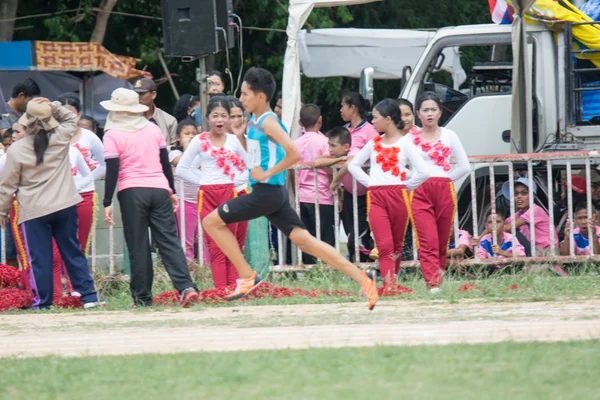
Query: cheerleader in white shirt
point(389, 181)
point(221, 157)
point(434, 203)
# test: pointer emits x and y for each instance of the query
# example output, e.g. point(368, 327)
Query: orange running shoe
point(244, 287)
point(369, 289)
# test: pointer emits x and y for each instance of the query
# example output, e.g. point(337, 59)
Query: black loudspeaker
point(224, 21)
point(189, 27)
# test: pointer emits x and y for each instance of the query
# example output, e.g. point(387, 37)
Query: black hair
point(215, 73)
point(341, 133)
point(220, 101)
point(279, 96)
point(404, 102)
point(180, 126)
point(8, 134)
point(92, 120)
point(261, 81)
point(234, 102)
point(582, 205)
point(390, 108)
point(429, 96)
point(28, 87)
point(358, 101)
point(309, 115)
point(70, 99)
point(499, 213)
point(40, 144)
point(180, 111)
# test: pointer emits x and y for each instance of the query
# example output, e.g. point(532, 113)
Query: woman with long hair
point(39, 173)
point(221, 157)
point(434, 202)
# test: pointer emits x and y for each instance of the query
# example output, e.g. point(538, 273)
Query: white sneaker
point(435, 290)
point(75, 294)
point(94, 304)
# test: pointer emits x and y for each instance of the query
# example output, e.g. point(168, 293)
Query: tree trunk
point(8, 9)
point(102, 20)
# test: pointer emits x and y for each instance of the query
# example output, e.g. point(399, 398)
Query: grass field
point(566, 370)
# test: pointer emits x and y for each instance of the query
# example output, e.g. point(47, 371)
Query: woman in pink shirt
point(136, 156)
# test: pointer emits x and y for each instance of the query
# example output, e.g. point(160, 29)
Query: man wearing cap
point(38, 172)
point(146, 89)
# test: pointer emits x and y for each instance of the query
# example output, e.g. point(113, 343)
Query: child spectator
point(501, 247)
point(541, 221)
point(462, 247)
point(340, 151)
point(188, 198)
point(312, 145)
point(7, 138)
point(581, 234)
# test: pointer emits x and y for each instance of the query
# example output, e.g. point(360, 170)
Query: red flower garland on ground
point(265, 290)
point(71, 302)
point(10, 277)
point(469, 287)
point(15, 299)
point(437, 151)
point(226, 159)
point(388, 158)
point(393, 290)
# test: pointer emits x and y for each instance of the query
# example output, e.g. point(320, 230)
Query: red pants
point(209, 198)
point(242, 227)
point(388, 217)
point(433, 207)
point(85, 215)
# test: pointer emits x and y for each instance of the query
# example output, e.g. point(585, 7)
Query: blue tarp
point(16, 56)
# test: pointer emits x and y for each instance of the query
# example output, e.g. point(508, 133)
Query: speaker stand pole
point(201, 79)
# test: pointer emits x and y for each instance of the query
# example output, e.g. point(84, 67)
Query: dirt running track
point(297, 327)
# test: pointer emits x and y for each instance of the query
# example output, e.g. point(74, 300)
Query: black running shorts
point(265, 200)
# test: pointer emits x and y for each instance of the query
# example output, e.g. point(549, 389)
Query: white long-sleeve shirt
point(408, 155)
point(211, 172)
point(190, 191)
point(82, 175)
point(92, 149)
point(449, 139)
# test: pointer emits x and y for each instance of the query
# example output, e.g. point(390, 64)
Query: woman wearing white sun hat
point(38, 171)
point(136, 156)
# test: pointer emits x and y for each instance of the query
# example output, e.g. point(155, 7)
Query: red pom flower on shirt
point(437, 151)
point(225, 158)
point(388, 158)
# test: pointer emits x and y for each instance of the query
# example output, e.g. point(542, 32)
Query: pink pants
point(387, 209)
point(191, 228)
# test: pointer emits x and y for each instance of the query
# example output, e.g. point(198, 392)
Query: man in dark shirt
point(22, 93)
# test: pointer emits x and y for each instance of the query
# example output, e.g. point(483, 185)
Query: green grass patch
point(565, 370)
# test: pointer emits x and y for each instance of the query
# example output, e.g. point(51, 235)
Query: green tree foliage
point(142, 38)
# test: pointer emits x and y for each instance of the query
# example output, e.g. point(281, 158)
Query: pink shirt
point(463, 238)
point(362, 134)
point(312, 145)
point(541, 225)
point(139, 157)
point(582, 242)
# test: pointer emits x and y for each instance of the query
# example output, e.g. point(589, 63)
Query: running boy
point(270, 153)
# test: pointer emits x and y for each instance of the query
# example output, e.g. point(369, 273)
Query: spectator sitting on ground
point(461, 248)
point(580, 234)
point(146, 89)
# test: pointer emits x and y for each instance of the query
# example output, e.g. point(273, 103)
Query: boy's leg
point(327, 224)
point(364, 232)
point(347, 218)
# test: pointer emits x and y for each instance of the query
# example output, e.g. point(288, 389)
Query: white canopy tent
point(346, 52)
point(299, 11)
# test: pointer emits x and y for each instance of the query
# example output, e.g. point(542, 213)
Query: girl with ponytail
point(389, 182)
point(38, 173)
